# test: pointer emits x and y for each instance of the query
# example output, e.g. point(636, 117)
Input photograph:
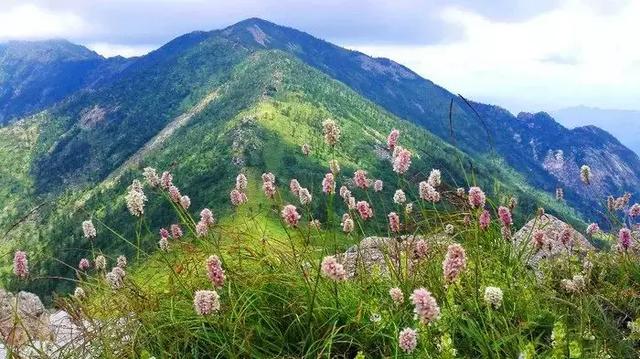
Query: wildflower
point(634, 211)
point(392, 139)
point(538, 239)
point(206, 217)
point(344, 192)
point(449, 229)
point(185, 202)
point(401, 160)
point(163, 243)
point(315, 224)
point(268, 177)
point(360, 179)
point(506, 233)
point(364, 210)
point(164, 233)
point(621, 202)
point(399, 197)
point(115, 278)
point(477, 198)
point(493, 296)
point(121, 262)
point(624, 239)
point(460, 192)
point(241, 182)
point(351, 203)
point(408, 208)
point(377, 185)
point(332, 269)
point(425, 306)
point(585, 174)
point(79, 293)
point(331, 132)
point(166, 180)
point(176, 231)
point(100, 262)
point(294, 186)
point(347, 223)
point(269, 189)
point(593, 228)
point(394, 222)
point(88, 229)
point(21, 265)
point(305, 196)
point(574, 285)
point(513, 202)
point(237, 197)
point(84, 264)
point(375, 317)
point(328, 183)
point(566, 236)
point(559, 194)
point(505, 216)
point(290, 215)
point(202, 229)
point(306, 149)
point(454, 263)
point(435, 178)
point(428, 193)
point(408, 340)
point(136, 199)
point(396, 295)
point(206, 302)
point(485, 219)
point(421, 249)
point(174, 194)
point(334, 166)
point(151, 176)
point(611, 203)
point(215, 271)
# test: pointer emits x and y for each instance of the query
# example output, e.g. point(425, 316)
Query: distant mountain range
point(209, 104)
point(623, 124)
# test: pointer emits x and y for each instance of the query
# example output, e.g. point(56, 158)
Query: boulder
point(23, 318)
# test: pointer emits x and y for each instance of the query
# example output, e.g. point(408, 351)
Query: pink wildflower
point(425, 306)
point(593, 228)
point(477, 198)
point(347, 223)
point(206, 217)
point(164, 233)
point(185, 202)
point(624, 239)
point(290, 215)
point(402, 161)
point(364, 210)
point(396, 295)
point(176, 231)
point(332, 269)
point(408, 340)
point(392, 139)
point(566, 236)
point(328, 184)
point(394, 222)
point(360, 179)
point(399, 197)
point(305, 196)
point(505, 216)
point(88, 229)
point(344, 192)
point(634, 211)
point(174, 194)
point(435, 178)
point(454, 263)
point(151, 176)
point(135, 199)
point(121, 262)
point(241, 182)
point(163, 243)
point(485, 219)
point(269, 189)
point(84, 264)
point(237, 197)
point(202, 229)
point(206, 302)
point(377, 185)
point(166, 180)
point(538, 239)
point(215, 271)
point(268, 177)
point(421, 249)
point(294, 186)
point(428, 193)
point(20, 265)
point(331, 132)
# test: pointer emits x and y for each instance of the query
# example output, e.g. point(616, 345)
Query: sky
point(524, 55)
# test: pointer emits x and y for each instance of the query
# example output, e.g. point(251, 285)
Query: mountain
point(208, 105)
point(35, 75)
point(623, 124)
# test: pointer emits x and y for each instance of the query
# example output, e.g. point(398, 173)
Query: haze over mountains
point(209, 103)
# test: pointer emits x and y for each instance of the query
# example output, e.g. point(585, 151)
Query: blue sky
point(523, 55)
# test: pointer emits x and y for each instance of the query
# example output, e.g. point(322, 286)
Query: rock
point(22, 318)
point(375, 253)
point(553, 229)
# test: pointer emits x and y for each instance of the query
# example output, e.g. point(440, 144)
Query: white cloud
point(574, 54)
point(31, 22)
point(109, 50)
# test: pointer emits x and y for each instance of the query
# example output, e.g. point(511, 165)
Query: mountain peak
point(45, 51)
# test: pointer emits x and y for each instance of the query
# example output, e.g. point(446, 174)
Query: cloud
point(570, 55)
point(110, 50)
point(28, 22)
